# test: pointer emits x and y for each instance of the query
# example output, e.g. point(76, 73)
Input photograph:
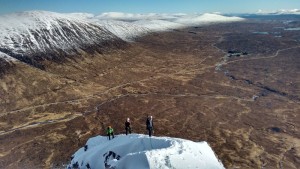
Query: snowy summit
point(137, 151)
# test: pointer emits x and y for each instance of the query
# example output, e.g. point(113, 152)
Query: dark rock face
point(5, 66)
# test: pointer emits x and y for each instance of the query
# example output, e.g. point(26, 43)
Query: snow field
point(137, 151)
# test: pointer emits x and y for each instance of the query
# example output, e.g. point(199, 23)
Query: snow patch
point(125, 30)
point(138, 151)
point(159, 25)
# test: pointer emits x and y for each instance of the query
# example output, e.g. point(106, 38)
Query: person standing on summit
point(149, 125)
point(127, 126)
point(110, 132)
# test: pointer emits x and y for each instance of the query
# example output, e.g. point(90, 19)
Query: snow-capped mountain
point(39, 35)
point(39, 31)
point(133, 25)
point(137, 151)
point(125, 30)
point(35, 36)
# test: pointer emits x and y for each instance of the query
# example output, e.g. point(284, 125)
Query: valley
point(246, 107)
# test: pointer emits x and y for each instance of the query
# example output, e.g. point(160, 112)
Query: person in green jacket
point(110, 132)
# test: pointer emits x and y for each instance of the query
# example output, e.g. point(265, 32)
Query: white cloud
point(280, 11)
point(205, 18)
point(129, 16)
point(128, 25)
point(135, 17)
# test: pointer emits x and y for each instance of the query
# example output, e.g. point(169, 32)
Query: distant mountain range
point(35, 36)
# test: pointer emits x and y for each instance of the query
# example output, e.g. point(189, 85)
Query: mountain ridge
point(36, 36)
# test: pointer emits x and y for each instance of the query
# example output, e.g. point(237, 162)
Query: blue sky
point(147, 6)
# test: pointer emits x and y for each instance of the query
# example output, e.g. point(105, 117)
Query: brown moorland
point(227, 84)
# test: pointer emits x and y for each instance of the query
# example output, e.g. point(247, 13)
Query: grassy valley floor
point(246, 107)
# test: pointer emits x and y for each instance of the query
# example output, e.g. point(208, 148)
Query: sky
point(148, 6)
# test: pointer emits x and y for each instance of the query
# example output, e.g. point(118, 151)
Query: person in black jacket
point(149, 125)
point(127, 126)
